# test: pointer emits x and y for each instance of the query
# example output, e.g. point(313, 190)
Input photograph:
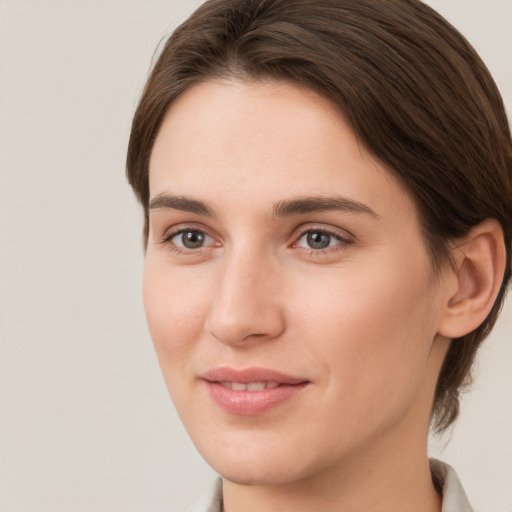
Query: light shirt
point(454, 497)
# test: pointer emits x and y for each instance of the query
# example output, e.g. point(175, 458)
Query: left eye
point(318, 240)
point(191, 239)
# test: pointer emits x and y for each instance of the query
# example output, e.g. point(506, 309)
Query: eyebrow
point(182, 203)
point(306, 205)
point(285, 208)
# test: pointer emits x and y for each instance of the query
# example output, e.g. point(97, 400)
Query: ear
point(479, 266)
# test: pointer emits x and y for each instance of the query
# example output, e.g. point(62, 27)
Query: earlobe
point(479, 265)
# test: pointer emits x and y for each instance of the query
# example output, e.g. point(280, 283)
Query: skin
point(359, 320)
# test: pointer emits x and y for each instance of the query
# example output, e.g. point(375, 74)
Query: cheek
point(175, 311)
point(371, 330)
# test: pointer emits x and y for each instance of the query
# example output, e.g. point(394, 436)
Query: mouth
point(251, 391)
point(249, 386)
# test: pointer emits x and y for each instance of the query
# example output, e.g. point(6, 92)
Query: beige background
point(85, 421)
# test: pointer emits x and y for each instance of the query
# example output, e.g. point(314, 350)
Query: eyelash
point(167, 239)
point(342, 242)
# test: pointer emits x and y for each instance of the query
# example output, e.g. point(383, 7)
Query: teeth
point(256, 386)
point(250, 386)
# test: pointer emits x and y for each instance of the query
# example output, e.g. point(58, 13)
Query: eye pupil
point(318, 240)
point(192, 239)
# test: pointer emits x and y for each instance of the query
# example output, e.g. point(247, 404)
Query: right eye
point(190, 239)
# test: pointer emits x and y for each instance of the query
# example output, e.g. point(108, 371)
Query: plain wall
point(85, 420)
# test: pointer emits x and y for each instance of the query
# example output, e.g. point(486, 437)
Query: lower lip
point(252, 403)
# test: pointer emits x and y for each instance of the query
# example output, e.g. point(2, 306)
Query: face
point(287, 287)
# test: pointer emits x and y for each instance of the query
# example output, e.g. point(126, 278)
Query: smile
point(250, 386)
point(251, 391)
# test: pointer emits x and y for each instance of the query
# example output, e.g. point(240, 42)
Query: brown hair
point(413, 89)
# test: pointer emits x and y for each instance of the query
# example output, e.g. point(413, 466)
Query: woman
point(327, 190)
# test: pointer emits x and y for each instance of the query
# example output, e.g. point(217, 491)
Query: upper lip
point(247, 375)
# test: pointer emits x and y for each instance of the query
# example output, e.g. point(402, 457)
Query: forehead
point(256, 142)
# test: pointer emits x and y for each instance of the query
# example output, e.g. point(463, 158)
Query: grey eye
point(317, 240)
point(190, 239)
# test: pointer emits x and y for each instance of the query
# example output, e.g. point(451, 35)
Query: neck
point(402, 483)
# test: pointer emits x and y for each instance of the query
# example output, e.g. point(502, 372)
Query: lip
point(251, 403)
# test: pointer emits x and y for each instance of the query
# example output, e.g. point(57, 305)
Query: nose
point(247, 306)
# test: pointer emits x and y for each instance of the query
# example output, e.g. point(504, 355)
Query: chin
point(246, 473)
point(253, 462)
